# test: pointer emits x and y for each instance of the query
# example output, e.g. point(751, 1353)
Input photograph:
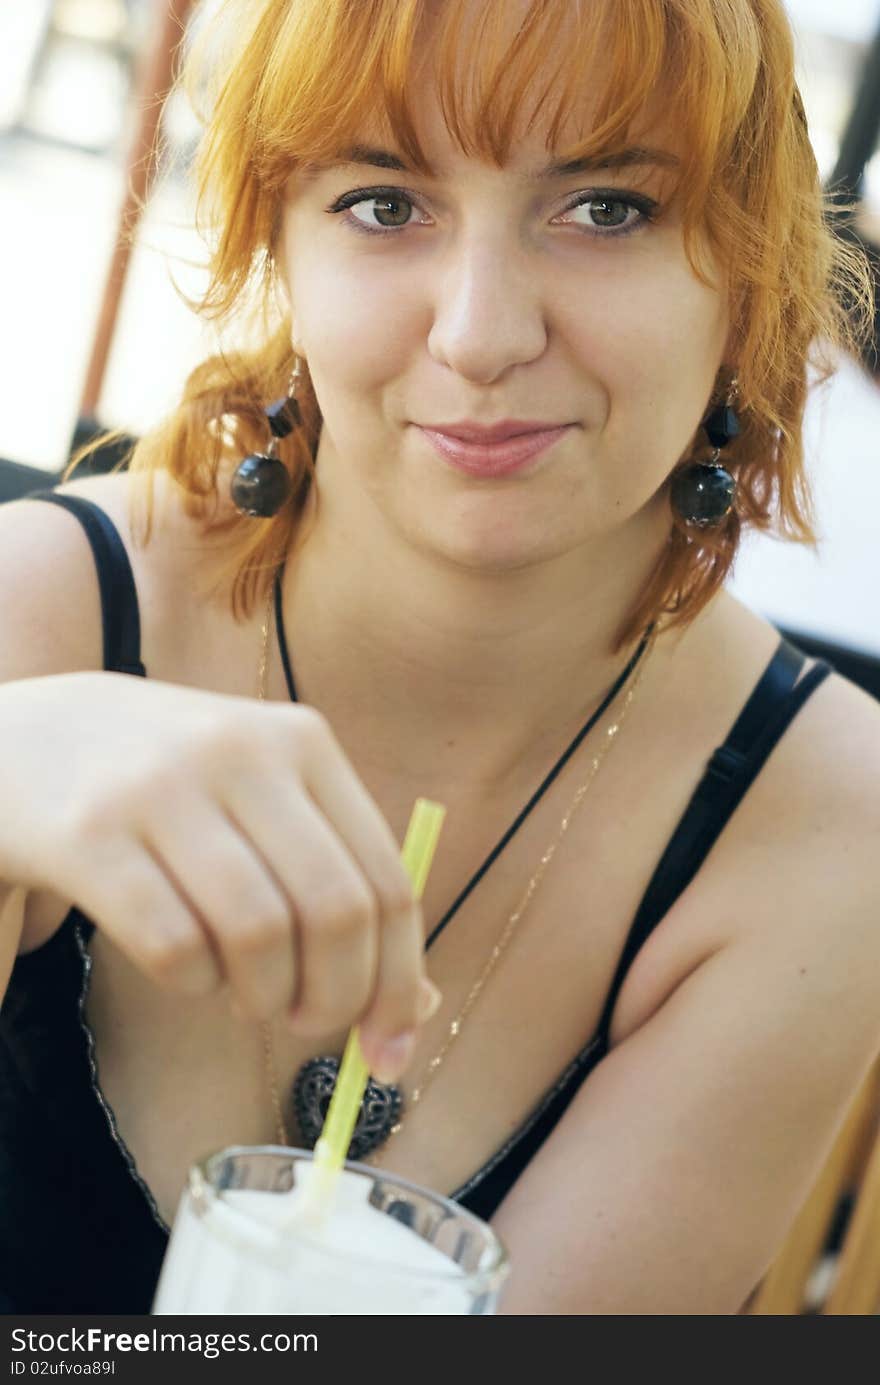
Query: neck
point(416, 660)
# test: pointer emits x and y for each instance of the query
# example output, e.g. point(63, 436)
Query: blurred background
point(93, 337)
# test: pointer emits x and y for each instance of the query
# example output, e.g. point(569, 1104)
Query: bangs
point(338, 66)
point(321, 74)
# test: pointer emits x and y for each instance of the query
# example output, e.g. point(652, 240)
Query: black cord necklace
point(382, 1103)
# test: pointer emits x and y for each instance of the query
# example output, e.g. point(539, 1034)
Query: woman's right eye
point(392, 210)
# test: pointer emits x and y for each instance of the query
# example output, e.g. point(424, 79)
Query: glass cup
point(230, 1251)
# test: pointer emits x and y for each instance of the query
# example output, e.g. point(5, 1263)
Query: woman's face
point(500, 293)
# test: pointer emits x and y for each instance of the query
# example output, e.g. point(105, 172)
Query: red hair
point(280, 83)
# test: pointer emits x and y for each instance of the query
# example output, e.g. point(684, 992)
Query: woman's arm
point(675, 1175)
point(50, 622)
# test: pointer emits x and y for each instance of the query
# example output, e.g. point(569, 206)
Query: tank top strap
point(120, 615)
point(733, 766)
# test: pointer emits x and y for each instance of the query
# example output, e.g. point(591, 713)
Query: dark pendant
point(311, 1093)
point(260, 486)
point(702, 493)
point(722, 425)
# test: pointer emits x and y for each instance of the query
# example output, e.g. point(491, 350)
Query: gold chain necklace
point(455, 1025)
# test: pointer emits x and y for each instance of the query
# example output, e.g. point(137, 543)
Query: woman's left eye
point(608, 207)
point(395, 205)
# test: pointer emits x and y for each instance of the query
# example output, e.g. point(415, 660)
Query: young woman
point(547, 282)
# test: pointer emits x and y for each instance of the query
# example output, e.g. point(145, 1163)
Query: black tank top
point(80, 1231)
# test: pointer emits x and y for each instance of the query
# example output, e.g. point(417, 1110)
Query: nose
point(488, 311)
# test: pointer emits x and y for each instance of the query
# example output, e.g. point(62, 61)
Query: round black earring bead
point(260, 486)
point(702, 494)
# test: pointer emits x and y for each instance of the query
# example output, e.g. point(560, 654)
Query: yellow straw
point(332, 1147)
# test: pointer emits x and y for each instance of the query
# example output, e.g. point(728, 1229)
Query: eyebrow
point(624, 158)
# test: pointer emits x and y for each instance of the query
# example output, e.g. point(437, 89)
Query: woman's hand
point(217, 841)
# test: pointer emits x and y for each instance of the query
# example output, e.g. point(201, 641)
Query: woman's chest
point(524, 964)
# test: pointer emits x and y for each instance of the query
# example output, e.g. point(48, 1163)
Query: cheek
point(653, 340)
point(355, 324)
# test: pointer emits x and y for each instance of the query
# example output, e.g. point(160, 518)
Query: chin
point(490, 554)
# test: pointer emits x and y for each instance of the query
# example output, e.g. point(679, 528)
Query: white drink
point(251, 1251)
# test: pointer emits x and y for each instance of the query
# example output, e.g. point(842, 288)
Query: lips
point(496, 432)
point(494, 458)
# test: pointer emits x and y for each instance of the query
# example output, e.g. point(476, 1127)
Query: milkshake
point(245, 1241)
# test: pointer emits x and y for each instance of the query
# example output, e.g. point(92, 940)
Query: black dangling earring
point(702, 493)
point(261, 484)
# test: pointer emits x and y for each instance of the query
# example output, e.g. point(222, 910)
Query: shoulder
point(181, 567)
point(816, 799)
point(55, 624)
point(173, 558)
point(125, 499)
point(828, 839)
point(814, 810)
point(796, 862)
point(793, 888)
point(839, 755)
point(171, 538)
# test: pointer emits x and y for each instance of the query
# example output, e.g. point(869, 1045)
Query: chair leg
point(856, 1290)
point(782, 1290)
point(154, 82)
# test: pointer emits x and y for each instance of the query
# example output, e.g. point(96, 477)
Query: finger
point(132, 899)
point(335, 907)
point(233, 890)
point(344, 800)
point(387, 1030)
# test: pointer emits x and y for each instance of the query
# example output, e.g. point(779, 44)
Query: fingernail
point(430, 1000)
point(393, 1056)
